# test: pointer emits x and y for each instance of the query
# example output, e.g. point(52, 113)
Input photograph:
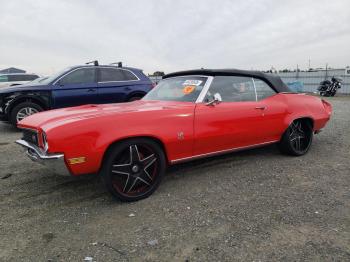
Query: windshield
point(38, 80)
point(49, 79)
point(185, 89)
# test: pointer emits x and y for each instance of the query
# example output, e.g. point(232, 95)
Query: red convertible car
point(188, 115)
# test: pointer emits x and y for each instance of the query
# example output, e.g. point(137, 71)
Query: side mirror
point(216, 100)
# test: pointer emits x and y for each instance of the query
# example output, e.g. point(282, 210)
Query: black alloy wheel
point(297, 139)
point(133, 169)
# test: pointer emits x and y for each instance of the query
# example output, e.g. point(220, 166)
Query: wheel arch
point(309, 119)
point(152, 138)
point(26, 98)
point(135, 93)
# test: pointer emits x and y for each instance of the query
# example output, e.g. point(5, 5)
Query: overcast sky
point(45, 36)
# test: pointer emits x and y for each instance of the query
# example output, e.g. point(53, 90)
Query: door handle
point(260, 107)
point(92, 90)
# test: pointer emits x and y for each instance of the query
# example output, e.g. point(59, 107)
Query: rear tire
point(23, 110)
point(134, 98)
point(297, 139)
point(133, 169)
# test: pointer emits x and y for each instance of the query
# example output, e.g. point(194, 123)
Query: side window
point(30, 77)
point(13, 78)
point(263, 90)
point(232, 89)
point(111, 74)
point(4, 78)
point(129, 76)
point(80, 76)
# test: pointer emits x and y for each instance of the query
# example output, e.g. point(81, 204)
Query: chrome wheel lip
point(133, 176)
point(25, 112)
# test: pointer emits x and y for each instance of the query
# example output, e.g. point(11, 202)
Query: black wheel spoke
point(123, 169)
point(148, 161)
point(298, 136)
point(129, 184)
point(300, 129)
point(297, 143)
point(134, 154)
point(146, 177)
point(145, 180)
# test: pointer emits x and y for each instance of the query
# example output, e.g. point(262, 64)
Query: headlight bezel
point(44, 141)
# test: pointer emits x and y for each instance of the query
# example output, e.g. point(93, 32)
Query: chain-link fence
point(312, 79)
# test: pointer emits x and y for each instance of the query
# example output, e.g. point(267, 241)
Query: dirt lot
point(256, 205)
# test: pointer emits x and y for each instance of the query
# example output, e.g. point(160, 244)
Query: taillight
point(153, 85)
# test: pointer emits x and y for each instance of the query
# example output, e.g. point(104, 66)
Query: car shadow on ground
point(70, 190)
point(7, 127)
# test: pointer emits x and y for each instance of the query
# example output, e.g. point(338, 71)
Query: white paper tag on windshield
point(192, 82)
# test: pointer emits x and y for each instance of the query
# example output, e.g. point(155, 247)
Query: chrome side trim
point(221, 152)
point(53, 161)
point(256, 94)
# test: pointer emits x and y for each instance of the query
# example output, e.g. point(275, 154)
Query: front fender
point(42, 99)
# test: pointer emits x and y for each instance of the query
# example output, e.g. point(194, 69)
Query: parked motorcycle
point(329, 88)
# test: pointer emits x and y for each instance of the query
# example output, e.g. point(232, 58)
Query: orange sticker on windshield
point(188, 89)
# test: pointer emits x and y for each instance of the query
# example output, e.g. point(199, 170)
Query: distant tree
point(158, 73)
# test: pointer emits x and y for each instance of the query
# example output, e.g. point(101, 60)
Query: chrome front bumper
point(54, 162)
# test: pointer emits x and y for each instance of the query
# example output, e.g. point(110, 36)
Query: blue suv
point(78, 85)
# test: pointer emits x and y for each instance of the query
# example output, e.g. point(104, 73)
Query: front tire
point(22, 110)
point(297, 139)
point(133, 169)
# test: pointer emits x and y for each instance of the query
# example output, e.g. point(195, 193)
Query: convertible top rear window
point(183, 89)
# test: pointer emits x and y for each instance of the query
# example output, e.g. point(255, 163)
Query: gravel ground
point(256, 205)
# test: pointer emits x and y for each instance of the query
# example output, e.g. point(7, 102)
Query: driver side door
point(78, 87)
point(232, 123)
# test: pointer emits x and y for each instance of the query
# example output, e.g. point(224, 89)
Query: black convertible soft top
point(274, 81)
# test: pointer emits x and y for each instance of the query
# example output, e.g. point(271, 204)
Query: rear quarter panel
point(302, 105)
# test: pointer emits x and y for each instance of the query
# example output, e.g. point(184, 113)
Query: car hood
point(58, 117)
point(19, 88)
